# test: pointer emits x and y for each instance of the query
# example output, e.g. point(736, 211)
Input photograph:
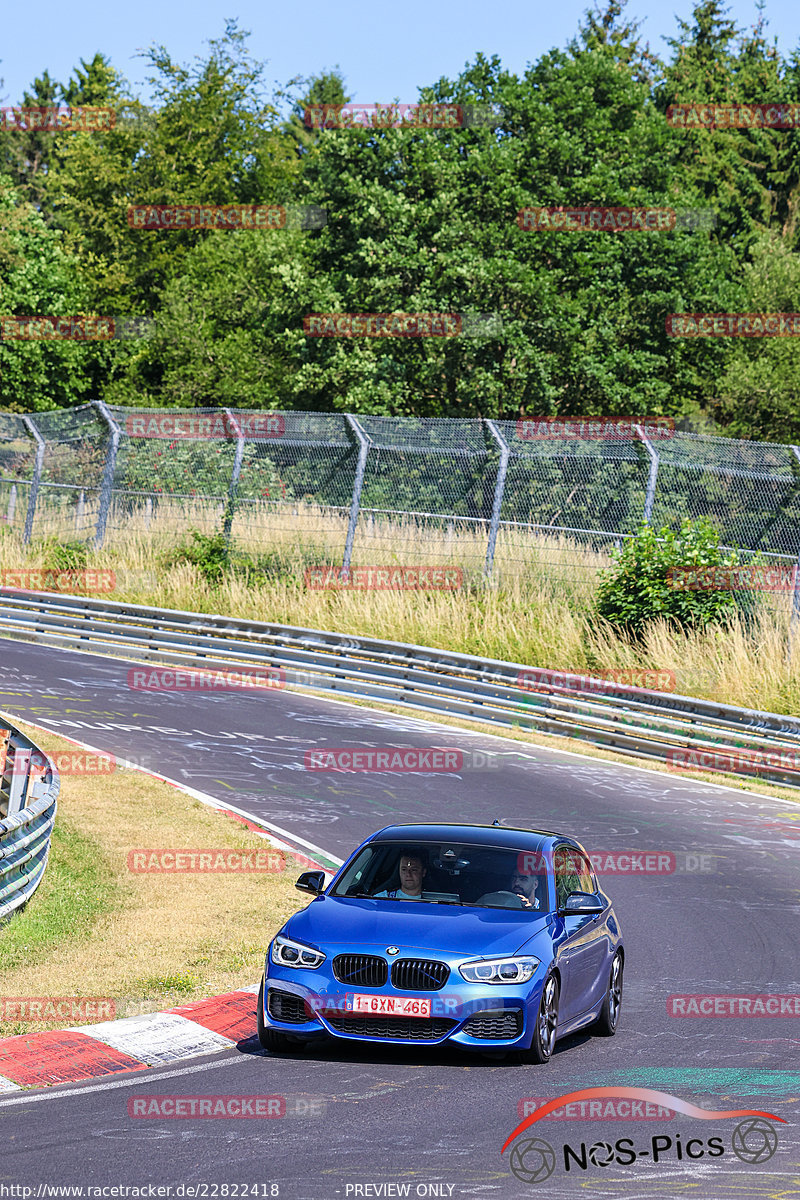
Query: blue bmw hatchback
point(483, 936)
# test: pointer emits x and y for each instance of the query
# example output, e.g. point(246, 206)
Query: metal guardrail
point(29, 786)
point(648, 724)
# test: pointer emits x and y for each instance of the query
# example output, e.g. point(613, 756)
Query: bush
point(208, 552)
point(217, 558)
point(644, 582)
point(64, 556)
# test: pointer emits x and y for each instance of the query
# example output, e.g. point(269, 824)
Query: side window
point(584, 871)
point(573, 873)
point(564, 873)
point(355, 873)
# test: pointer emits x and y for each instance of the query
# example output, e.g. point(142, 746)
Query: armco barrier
point(635, 721)
point(28, 794)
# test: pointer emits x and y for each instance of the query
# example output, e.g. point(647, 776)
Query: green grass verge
point(78, 887)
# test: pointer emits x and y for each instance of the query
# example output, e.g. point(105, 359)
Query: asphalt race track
point(425, 1122)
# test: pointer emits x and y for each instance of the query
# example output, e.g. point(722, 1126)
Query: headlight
point(286, 953)
point(500, 970)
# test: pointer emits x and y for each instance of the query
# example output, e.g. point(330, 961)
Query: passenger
point(412, 873)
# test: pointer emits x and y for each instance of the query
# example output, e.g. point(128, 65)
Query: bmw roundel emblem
point(392, 949)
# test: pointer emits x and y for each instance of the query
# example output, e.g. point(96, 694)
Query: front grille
point(419, 975)
point(360, 970)
point(412, 1029)
point(495, 1024)
point(285, 1006)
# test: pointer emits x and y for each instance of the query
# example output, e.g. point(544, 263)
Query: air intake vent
point(360, 970)
point(285, 1006)
point(419, 975)
point(409, 1029)
point(498, 1024)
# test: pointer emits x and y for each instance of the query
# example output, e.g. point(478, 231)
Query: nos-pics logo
point(753, 1140)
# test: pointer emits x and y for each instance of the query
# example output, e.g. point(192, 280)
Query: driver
point(412, 872)
point(524, 886)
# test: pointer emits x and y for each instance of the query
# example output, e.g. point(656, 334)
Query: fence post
point(795, 609)
point(107, 486)
point(795, 589)
point(651, 478)
point(79, 510)
point(358, 483)
point(41, 446)
point(12, 505)
point(499, 489)
point(235, 473)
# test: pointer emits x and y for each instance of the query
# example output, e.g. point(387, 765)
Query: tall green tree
point(736, 171)
point(214, 139)
point(95, 84)
point(38, 276)
point(422, 221)
point(26, 155)
point(607, 27)
point(229, 327)
point(759, 394)
point(425, 221)
point(327, 88)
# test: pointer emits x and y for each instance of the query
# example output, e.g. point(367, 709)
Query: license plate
point(388, 1006)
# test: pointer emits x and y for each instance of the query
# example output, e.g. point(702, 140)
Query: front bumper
point(312, 1004)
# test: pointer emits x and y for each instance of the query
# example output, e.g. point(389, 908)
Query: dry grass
point(151, 940)
point(536, 610)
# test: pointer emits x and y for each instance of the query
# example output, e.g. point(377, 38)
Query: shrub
point(65, 556)
point(208, 552)
point(642, 584)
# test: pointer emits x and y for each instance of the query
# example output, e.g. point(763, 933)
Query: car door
point(583, 939)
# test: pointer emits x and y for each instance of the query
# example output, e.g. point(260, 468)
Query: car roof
point(484, 835)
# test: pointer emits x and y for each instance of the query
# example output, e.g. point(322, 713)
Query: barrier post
point(795, 613)
point(652, 475)
point(33, 494)
point(107, 486)
point(235, 473)
point(499, 489)
point(358, 483)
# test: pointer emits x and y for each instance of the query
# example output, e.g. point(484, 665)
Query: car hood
point(336, 922)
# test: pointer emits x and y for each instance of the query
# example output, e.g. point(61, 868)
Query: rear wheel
point(544, 1036)
point(271, 1039)
point(607, 1022)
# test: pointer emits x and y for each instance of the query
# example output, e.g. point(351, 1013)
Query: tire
point(546, 1028)
point(607, 1022)
point(271, 1039)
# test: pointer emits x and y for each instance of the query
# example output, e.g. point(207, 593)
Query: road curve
point(723, 921)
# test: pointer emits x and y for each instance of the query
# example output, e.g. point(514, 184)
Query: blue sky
point(386, 51)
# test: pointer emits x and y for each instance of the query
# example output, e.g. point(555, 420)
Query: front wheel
point(544, 1036)
point(607, 1022)
point(270, 1039)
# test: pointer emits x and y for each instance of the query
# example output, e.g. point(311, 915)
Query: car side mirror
point(311, 881)
point(582, 902)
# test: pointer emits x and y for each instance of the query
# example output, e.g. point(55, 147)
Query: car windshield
point(448, 873)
